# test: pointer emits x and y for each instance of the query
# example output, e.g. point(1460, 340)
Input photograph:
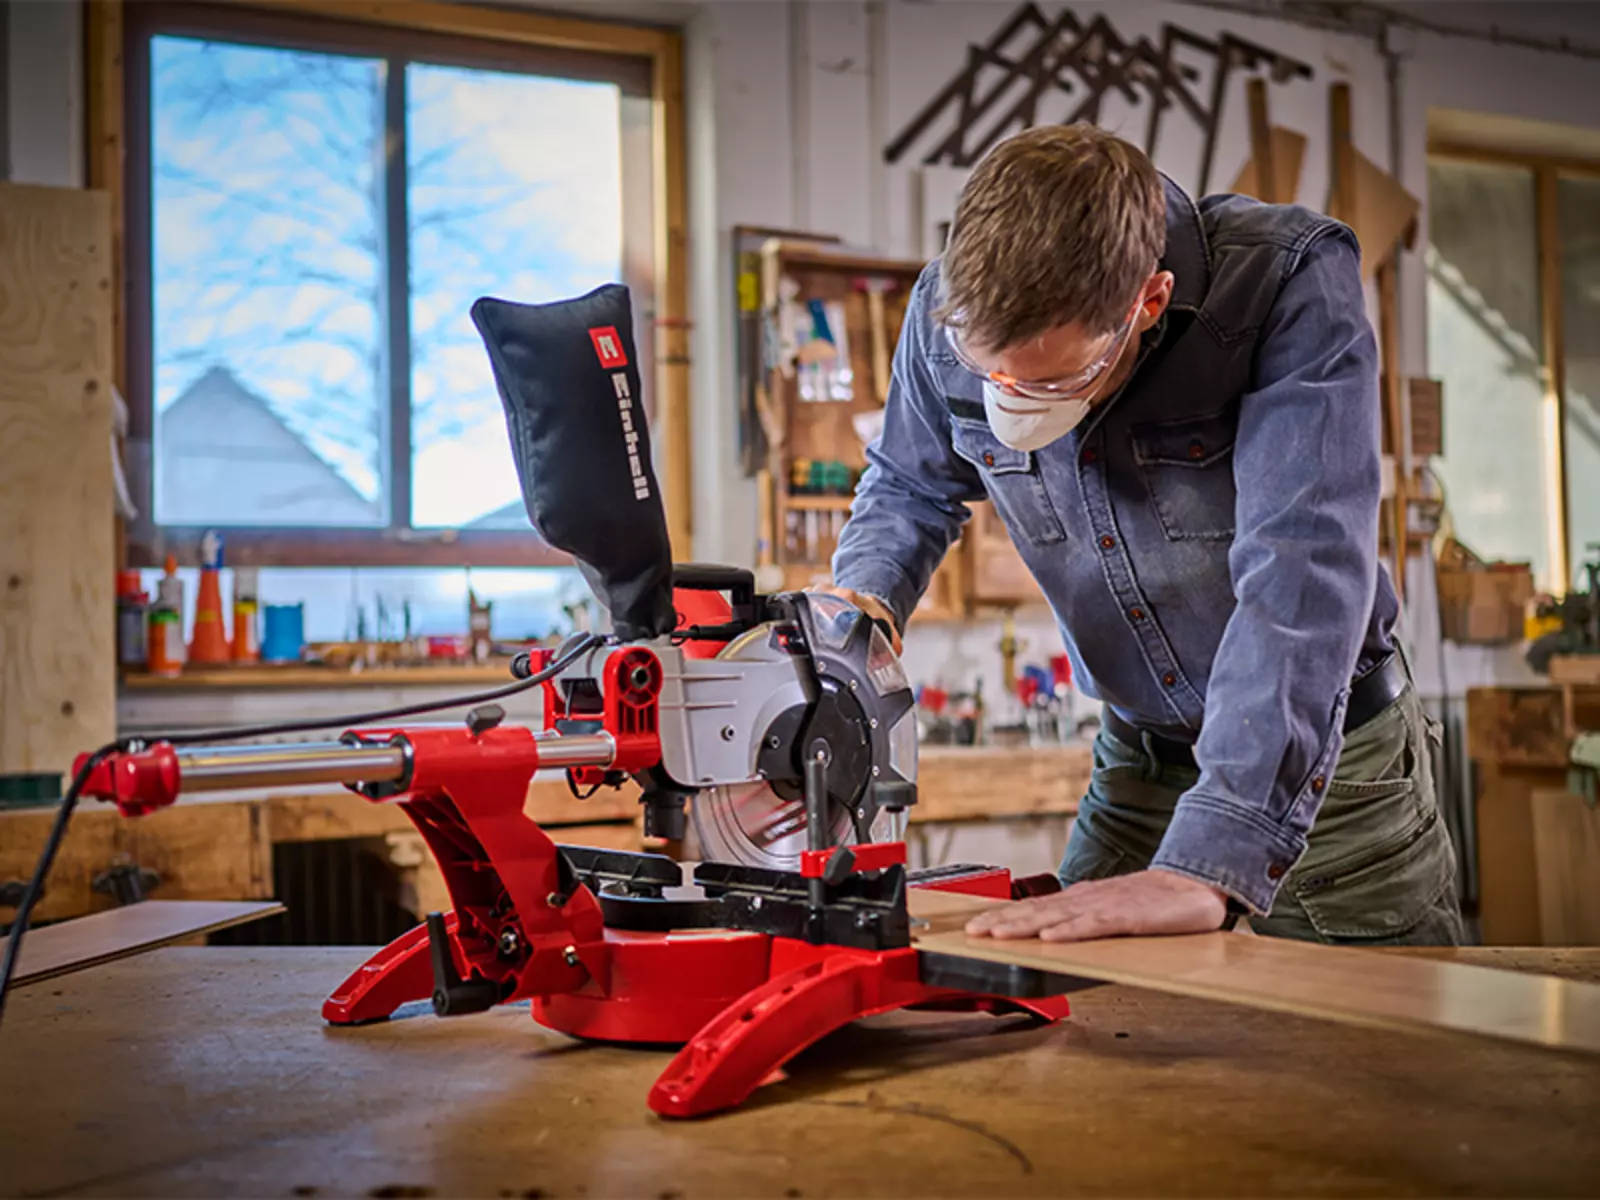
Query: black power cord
point(574, 649)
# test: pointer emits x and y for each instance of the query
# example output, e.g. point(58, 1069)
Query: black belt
point(1370, 694)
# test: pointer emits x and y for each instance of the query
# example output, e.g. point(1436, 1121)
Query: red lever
point(135, 783)
point(870, 856)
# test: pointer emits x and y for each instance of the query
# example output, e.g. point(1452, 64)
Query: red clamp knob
point(135, 783)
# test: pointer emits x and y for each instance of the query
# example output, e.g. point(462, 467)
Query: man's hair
point(1058, 224)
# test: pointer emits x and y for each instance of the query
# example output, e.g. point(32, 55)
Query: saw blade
point(750, 823)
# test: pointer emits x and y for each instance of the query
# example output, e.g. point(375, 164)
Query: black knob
point(484, 718)
point(894, 794)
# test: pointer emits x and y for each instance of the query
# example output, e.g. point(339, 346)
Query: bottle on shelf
point(246, 616)
point(133, 621)
point(167, 651)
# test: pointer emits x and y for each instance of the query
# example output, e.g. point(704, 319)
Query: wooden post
point(1342, 203)
point(1342, 172)
point(1261, 144)
point(57, 642)
point(102, 43)
point(672, 282)
point(1394, 415)
point(1547, 193)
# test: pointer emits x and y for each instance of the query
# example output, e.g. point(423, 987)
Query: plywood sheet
point(57, 662)
point(105, 937)
point(1566, 851)
point(1333, 982)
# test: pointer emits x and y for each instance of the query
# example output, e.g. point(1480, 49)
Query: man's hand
point(870, 605)
point(1147, 902)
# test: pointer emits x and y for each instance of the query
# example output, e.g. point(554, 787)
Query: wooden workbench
point(195, 1071)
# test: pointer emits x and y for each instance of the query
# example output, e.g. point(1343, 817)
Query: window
point(1579, 214)
point(312, 208)
point(1513, 266)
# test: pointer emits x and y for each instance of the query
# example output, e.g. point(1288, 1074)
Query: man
point(1174, 409)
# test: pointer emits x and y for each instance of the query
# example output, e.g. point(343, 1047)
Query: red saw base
point(741, 1004)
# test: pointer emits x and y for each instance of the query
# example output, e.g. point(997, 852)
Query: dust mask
point(1030, 425)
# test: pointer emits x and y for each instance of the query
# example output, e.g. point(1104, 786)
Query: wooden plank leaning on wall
point(664, 49)
point(57, 682)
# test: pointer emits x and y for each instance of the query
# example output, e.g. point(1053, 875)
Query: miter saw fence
point(782, 723)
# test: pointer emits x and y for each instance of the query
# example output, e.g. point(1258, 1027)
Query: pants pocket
point(1389, 890)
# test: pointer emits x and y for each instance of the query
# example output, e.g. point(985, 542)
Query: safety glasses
point(1069, 388)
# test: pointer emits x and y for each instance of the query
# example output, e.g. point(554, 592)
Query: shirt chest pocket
point(1187, 466)
point(1011, 477)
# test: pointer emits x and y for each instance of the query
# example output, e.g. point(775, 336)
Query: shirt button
point(988, 460)
point(1136, 613)
point(1107, 542)
point(1089, 456)
point(1318, 784)
point(1275, 871)
point(1196, 450)
point(1169, 679)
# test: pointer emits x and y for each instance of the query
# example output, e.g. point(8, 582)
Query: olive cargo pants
point(1379, 867)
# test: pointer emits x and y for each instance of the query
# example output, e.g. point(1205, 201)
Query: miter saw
point(776, 731)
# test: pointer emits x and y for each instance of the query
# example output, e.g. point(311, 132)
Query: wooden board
point(1580, 669)
point(57, 658)
point(1525, 727)
point(960, 783)
point(1382, 213)
point(1333, 982)
point(200, 851)
point(1566, 851)
point(1508, 872)
point(231, 1085)
point(1288, 155)
point(105, 937)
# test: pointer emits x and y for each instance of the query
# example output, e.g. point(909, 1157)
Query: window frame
point(1547, 171)
point(645, 62)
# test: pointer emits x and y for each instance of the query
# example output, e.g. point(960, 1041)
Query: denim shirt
point(1207, 537)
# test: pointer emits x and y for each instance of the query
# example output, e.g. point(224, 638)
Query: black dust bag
point(569, 380)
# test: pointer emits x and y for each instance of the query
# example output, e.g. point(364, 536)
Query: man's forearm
point(910, 505)
point(893, 542)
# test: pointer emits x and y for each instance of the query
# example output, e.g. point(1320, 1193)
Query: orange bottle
point(165, 648)
point(246, 638)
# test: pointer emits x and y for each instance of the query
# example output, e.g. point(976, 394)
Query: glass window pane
point(1579, 206)
point(265, 195)
point(514, 191)
point(1485, 343)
